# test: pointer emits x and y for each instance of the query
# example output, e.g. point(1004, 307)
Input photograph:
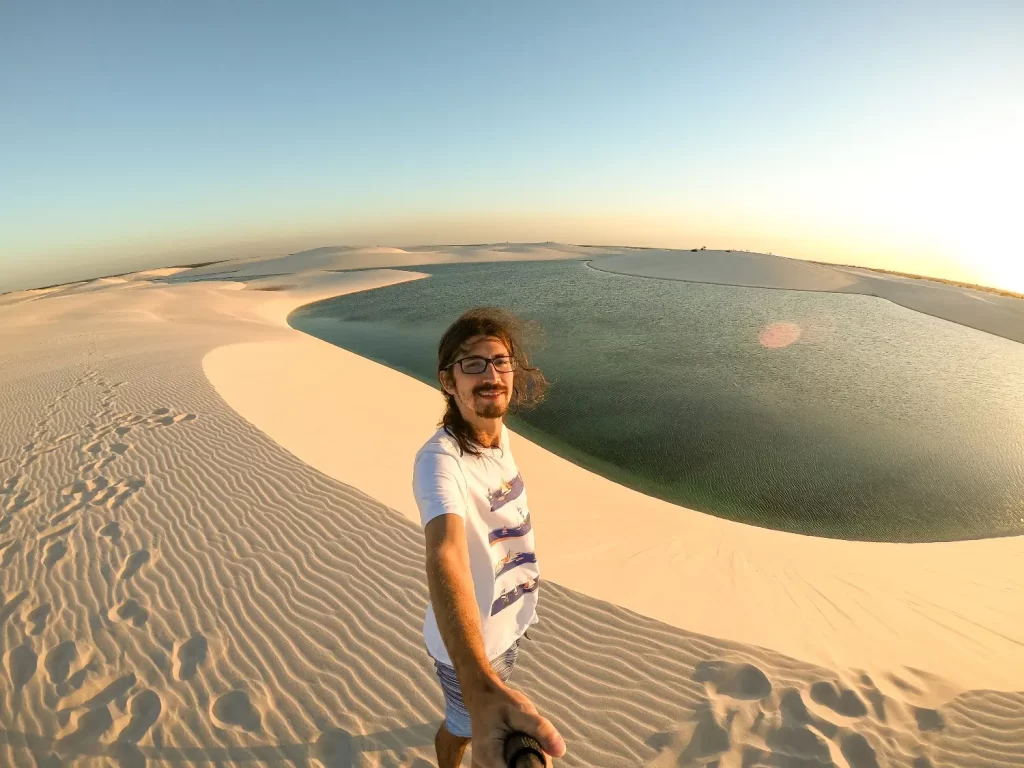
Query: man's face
point(484, 394)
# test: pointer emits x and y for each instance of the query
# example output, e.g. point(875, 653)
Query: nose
point(490, 373)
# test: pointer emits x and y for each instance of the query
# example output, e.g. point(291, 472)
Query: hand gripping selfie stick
point(522, 751)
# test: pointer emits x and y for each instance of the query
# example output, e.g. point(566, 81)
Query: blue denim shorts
point(456, 718)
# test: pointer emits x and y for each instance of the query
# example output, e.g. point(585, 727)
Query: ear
point(447, 381)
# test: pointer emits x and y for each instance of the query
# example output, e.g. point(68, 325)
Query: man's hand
point(496, 712)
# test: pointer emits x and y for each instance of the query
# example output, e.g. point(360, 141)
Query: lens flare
point(779, 335)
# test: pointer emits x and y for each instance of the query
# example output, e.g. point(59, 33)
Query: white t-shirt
point(487, 492)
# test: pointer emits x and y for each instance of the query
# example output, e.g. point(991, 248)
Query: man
point(481, 567)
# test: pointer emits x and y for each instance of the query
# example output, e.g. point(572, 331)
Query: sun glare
point(779, 335)
point(945, 204)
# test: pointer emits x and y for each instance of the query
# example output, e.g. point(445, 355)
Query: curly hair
point(528, 383)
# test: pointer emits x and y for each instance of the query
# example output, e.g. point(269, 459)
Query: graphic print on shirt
point(510, 532)
point(510, 490)
point(508, 597)
point(513, 560)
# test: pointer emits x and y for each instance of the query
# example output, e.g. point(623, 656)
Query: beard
point(491, 409)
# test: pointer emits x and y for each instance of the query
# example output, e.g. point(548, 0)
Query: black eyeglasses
point(473, 365)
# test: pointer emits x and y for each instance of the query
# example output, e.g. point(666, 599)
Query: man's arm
point(495, 709)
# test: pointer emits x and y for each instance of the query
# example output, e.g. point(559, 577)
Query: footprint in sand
point(166, 421)
point(929, 719)
point(129, 611)
point(132, 565)
point(800, 745)
point(701, 742)
point(708, 736)
point(737, 681)
point(235, 710)
point(124, 490)
point(858, 752)
point(796, 715)
point(188, 656)
point(96, 492)
point(54, 552)
point(739, 724)
point(143, 711)
point(111, 531)
point(83, 492)
point(842, 701)
point(21, 665)
point(57, 661)
point(103, 460)
point(96, 466)
point(36, 619)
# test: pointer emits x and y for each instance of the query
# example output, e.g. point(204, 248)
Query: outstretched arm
point(495, 709)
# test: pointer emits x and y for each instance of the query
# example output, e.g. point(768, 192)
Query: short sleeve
point(439, 486)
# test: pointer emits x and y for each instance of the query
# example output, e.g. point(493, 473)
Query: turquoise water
point(876, 423)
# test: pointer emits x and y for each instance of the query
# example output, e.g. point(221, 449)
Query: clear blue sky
point(886, 133)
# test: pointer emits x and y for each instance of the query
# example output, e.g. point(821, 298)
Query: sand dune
point(206, 558)
point(989, 312)
point(350, 258)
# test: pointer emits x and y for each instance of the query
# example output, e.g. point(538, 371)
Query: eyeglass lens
point(479, 364)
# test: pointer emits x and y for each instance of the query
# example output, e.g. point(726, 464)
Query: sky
point(885, 134)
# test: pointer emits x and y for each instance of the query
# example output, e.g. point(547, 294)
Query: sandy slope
point(954, 606)
point(226, 573)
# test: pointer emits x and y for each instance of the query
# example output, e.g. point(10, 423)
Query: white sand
point(208, 553)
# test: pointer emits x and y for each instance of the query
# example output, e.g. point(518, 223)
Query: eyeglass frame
point(487, 361)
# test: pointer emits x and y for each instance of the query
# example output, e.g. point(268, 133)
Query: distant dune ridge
point(209, 554)
point(994, 312)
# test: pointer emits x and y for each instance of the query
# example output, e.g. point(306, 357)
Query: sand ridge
point(186, 577)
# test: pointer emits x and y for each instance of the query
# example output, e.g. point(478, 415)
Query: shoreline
point(997, 314)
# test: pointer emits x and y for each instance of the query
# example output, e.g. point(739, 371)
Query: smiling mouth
point(490, 392)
